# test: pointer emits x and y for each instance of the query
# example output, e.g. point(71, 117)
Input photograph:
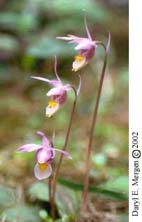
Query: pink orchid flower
point(85, 47)
point(58, 94)
point(45, 154)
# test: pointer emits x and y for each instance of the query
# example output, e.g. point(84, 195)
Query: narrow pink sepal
point(67, 87)
point(51, 82)
point(87, 29)
point(45, 141)
point(55, 70)
point(63, 152)
point(28, 148)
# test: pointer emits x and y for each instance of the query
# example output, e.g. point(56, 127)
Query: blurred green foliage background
point(28, 44)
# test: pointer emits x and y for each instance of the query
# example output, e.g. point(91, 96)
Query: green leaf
point(119, 184)
point(43, 214)
point(67, 200)
point(7, 197)
point(9, 20)
point(21, 213)
point(39, 190)
point(63, 7)
point(8, 43)
point(99, 159)
point(20, 22)
point(27, 22)
point(95, 190)
point(45, 47)
point(123, 217)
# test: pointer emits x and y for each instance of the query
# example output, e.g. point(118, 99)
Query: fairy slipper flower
point(45, 154)
point(85, 47)
point(58, 94)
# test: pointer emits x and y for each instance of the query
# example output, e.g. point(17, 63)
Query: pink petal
point(87, 29)
point(64, 38)
point(29, 148)
point(55, 91)
point(43, 155)
point(71, 39)
point(40, 175)
point(51, 82)
point(45, 141)
point(63, 152)
point(67, 87)
point(84, 44)
point(55, 70)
